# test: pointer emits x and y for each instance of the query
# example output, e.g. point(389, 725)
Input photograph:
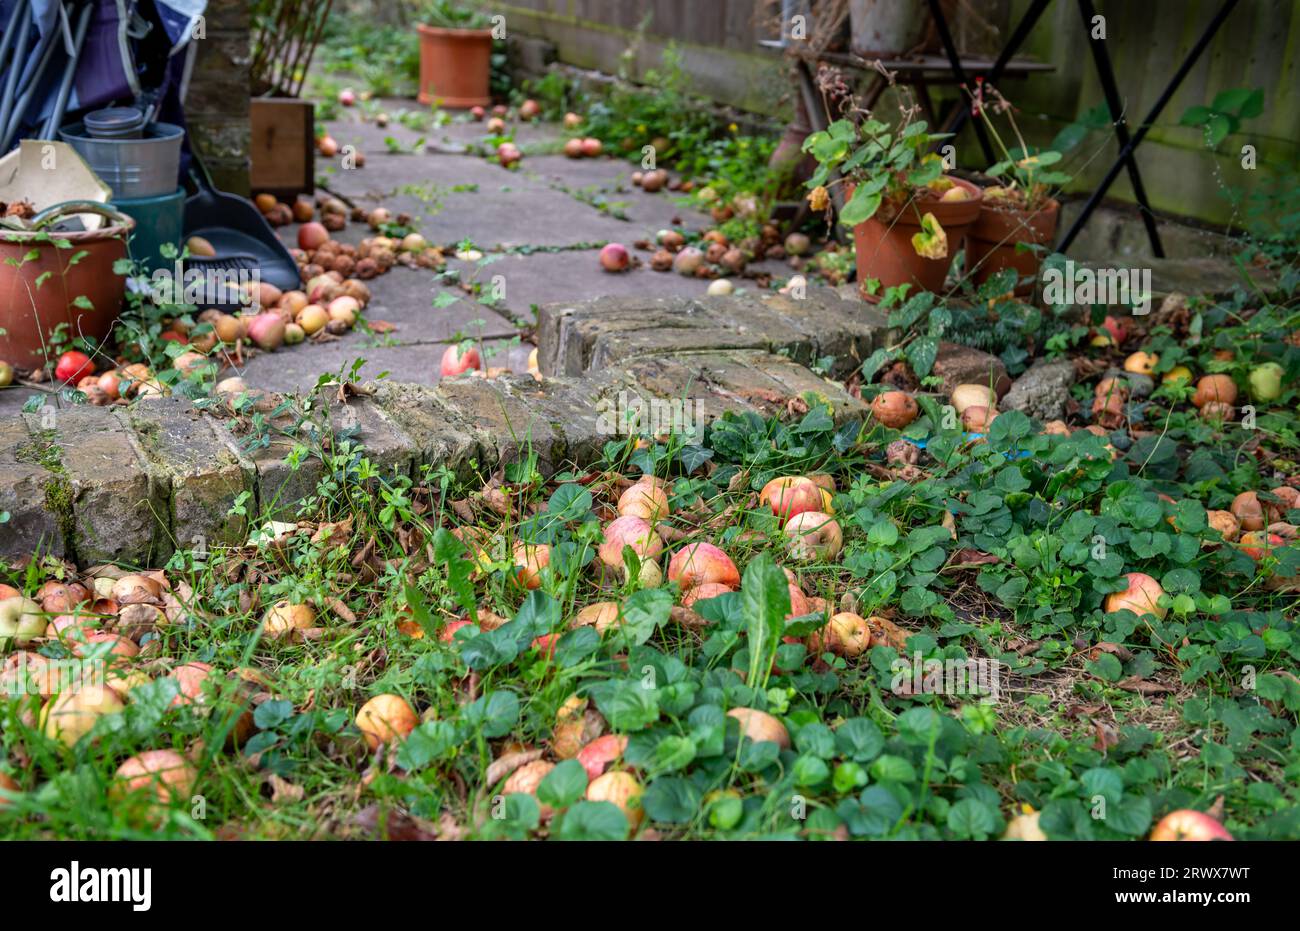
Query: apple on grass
point(1188, 824)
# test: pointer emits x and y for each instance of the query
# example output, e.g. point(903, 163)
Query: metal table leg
point(1018, 36)
point(1106, 74)
point(1127, 151)
point(936, 10)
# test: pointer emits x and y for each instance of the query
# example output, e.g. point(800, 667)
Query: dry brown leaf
point(1143, 686)
point(339, 608)
point(886, 631)
point(507, 764)
point(284, 792)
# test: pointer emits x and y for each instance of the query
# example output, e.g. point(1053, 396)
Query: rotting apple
point(622, 789)
point(600, 753)
point(698, 563)
point(814, 535)
point(530, 559)
point(21, 622)
point(164, 774)
point(454, 362)
point(791, 495)
point(1189, 824)
point(1141, 596)
point(385, 718)
point(1248, 510)
point(759, 726)
point(645, 499)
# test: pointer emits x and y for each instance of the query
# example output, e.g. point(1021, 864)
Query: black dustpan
point(242, 238)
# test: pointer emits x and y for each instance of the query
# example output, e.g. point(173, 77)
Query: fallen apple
point(791, 495)
point(1141, 596)
point(530, 560)
point(164, 775)
point(645, 499)
point(454, 362)
point(1141, 363)
point(385, 718)
point(814, 535)
point(1248, 510)
point(283, 617)
point(591, 148)
point(703, 592)
point(1214, 389)
point(614, 257)
point(1188, 824)
point(6, 374)
point(20, 622)
point(600, 753)
point(73, 366)
point(698, 563)
point(632, 531)
point(895, 409)
point(759, 726)
point(1024, 826)
point(1266, 381)
point(846, 634)
point(622, 789)
point(964, 396)
point(73, 714)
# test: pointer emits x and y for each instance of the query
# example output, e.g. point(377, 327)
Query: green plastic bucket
point(159, 219)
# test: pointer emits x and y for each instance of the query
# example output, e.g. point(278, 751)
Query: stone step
point(134, 484)
point(576, 339)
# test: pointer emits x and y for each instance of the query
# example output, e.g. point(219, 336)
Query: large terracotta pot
point(884, 248)
point(991, 242)
point(40, 292)
point(455, 66)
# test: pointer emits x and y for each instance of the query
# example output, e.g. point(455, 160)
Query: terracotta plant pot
point(991, 242)
point(38, 294)
point(884, 248)
point(455, 66)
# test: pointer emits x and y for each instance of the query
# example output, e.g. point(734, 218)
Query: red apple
point(1187, 824)
point(73, 366)
point(1140, 597)
point(453, 362)
point(791, 495)
point(614, 257)
point(592, 147)
point(632, 531)
point(698, 563)
point(814, 535)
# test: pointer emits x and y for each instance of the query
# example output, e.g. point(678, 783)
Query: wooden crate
point(283, 147)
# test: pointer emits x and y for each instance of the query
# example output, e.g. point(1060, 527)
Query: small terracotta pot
point(455, 66)
point(991, 242)
point(884, 244)
point(38, 294)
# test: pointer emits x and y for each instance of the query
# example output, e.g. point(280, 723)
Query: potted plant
point(1019, 215)
point(908, 218)
point(51, 278)
point(455, 54)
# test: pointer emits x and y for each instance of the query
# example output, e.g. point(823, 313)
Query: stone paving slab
point(193, 469)
point(574, 339)
point(27, 491)
point(295, 370)
point(111, 506)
